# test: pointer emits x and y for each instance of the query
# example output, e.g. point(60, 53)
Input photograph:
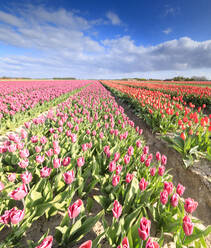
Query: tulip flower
point(5, 218)
point(23, 163)
point(174, 200)
point(125, 243)
point(87, 244)
point(117, 209)
point(161, 170)
point(187, 226)
point(80, 161)
point(163, 160)
point(46, 243)
point(115, 180)
point(69, 177)
point(180, 189)
point(151, 244)
point(164, 197)
point(143, 184)
point(66, 161)
point(45, 172)
point(1, 186)
point(26, 177)
point(152, 171)
point(144, 229)
point(75, 209)
point(129, 178)
point(16, 215)
point(168, 186)
point(190, 205)
point(11, 177)
point(19, 193)
point(158, 156)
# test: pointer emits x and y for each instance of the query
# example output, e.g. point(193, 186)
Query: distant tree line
point(64, 78)
point(194, 78)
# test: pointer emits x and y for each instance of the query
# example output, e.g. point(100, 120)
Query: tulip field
point(186, 128)
point(84, 164)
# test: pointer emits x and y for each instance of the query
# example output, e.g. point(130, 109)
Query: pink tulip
point(1, 186)
point(26, 177)
point(24, 153)
point(116, 156)
point(180, 189)
point(66, 161)
point(112, 166)
point(174, 200)
point(129, 178)
point(168, 186)
point(130, 151)
point(19, 193)
point(117, 209)
point(11, 177)
point(80, 161)
point(45, 172)
point(16, 215)
point(50, 152)
point(147, 162)
point(118, 169)
point(11, 148)
point(24, 163)
point(143, 157)
point(151, 244)
point(158, 156)
point(161, 170)
point(87, 244)
point(187, 226)
point(143, 184)
point(125, 243)
point(138, 143)
point(144, 229)
point(38, 149)
point(43, 140)
point(69, 177)
point(164, 197)
point(46, 243)
point(152, 171)
point(146, 150)
point(34, 139)
point(126, 159)
point(163, 160)
point(115, 180)
point(40, 159)
point(190, 205)
point(75, 209)
point(5, 218)
point(56, 163)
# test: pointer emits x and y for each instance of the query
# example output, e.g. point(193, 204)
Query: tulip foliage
point(184, 127)
point(85, 153)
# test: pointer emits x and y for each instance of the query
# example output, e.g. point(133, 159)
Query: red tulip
point(129, 178)
point(115, 180)
point(66, 161)
point(168, 186)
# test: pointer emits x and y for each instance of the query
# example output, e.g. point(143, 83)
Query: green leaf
point(102, 200)
point(89, 204)
point(85, 227)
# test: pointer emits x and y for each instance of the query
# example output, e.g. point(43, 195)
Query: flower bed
point(55, 167)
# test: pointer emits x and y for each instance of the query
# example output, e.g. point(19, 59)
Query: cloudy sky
point(105, 39)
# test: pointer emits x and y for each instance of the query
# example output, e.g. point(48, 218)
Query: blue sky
point(105, 39)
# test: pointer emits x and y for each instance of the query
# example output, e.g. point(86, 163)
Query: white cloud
point(65, 46)
point(114, 18)
point(167, 31)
